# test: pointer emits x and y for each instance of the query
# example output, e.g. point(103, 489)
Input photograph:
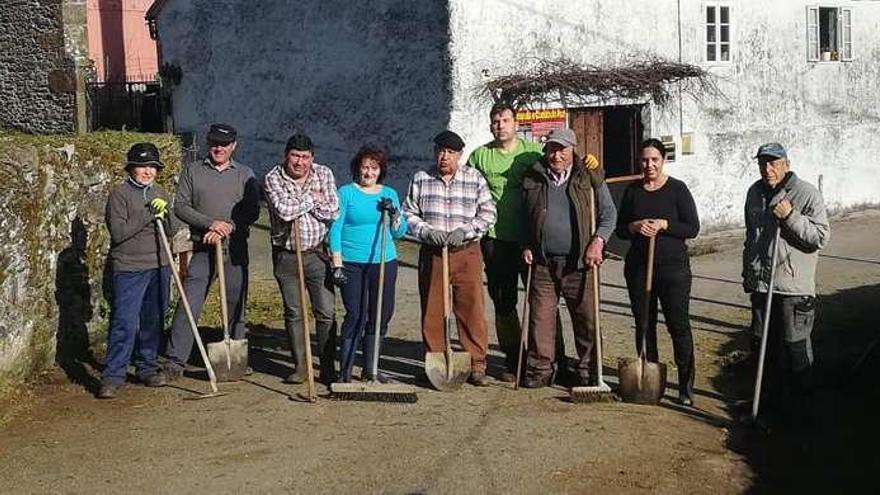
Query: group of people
point(514, 208)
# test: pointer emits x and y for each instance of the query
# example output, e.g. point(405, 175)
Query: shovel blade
point(447, 376)
point(229, 359)
point(641, 382)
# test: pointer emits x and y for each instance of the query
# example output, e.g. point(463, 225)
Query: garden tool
point(641, 381)
point(601, 391)
point(229, 358)
point(212, 378)
point(303, 307)
point(524, 329)
point(374, 390)
point(447, 370)
point(762, 354)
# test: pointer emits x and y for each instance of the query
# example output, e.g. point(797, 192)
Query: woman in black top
point(662, 207)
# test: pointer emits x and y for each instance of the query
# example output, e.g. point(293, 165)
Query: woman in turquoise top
point(355, 245)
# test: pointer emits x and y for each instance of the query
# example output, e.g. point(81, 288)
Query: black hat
point(142, 154)
point(449, 140)
point(299, 142)
point(221, 134)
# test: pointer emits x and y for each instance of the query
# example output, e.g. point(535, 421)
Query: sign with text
point(535, 124)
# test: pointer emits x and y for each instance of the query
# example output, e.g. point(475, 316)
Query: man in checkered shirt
point(450, 205)
point(301, 190)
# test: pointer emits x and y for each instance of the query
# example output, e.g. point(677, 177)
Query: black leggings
point(672, 288)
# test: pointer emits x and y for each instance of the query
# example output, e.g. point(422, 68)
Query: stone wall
point(52, 195)
point(42, 54)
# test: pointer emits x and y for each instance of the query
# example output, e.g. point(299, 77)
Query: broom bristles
point(598, 393)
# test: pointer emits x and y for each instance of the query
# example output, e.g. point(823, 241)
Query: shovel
point(641, 381)
point(303, 307)
point(447, 370)
point(212, 378)
point(229, 357)
point(524, 329)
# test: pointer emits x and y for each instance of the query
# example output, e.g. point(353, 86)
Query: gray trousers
point(316, 269)
point(199, 277)
point(789, 346)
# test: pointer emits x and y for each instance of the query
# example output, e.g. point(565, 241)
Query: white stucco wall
point(344, 72)
point(826, 114)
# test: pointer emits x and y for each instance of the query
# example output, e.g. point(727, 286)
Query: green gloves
point(159, 208)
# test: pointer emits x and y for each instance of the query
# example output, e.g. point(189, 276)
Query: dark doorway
point(612, 134)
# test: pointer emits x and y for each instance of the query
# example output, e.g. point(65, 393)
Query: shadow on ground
point(830, 444)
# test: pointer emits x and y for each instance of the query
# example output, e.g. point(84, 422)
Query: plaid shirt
point(287, 201)
point(465, 201)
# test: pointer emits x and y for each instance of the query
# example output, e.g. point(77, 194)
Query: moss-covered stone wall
point(54, 243)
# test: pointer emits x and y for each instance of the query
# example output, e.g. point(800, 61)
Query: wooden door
point(588, 125)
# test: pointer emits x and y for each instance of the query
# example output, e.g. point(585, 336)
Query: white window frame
point(717, 25)
point(843, 34)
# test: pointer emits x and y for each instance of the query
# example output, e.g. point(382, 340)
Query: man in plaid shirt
point(450, 205)
point(304, 191)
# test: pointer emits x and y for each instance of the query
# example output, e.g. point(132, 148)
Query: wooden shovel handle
point(221, 276)
point(303, 307)
point(523, 328)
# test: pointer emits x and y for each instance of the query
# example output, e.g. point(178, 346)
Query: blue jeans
point(139, 302)
point(359, 297)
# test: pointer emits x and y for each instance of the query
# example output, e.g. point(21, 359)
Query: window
point(829, 34)
point(717, 33)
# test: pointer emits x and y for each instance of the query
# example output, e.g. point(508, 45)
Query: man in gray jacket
point(219, 199)
point(781, 200)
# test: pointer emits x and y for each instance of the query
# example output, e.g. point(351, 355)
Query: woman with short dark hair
point(355, 244)
point(661, 206)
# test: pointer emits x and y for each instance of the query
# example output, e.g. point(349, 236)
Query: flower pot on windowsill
point(825, 56)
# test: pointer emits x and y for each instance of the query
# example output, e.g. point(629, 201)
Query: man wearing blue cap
point(781, 200)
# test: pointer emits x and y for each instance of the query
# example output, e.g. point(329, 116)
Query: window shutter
point(845, 30)
point(813, 34)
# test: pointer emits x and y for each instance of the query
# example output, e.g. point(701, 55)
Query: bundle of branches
point(562, 80)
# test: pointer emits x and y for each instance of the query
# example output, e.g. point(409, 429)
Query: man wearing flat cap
point(140, 272)
point(782, 201)
point(450, 205)
point(562, 247)
point(218, 198)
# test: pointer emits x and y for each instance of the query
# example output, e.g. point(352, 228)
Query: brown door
point(588, 125)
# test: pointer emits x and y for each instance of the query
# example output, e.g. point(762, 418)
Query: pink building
point(119, 40)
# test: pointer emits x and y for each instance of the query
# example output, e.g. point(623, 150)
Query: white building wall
point(826, 114)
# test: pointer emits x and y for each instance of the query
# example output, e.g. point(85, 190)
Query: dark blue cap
point(774, 150)
point(449, 140)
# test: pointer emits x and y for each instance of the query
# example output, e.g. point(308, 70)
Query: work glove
point(159, 208)
point(434, 237)
point(385, 204)
point(456, 238)
point(591, 162)
point(339, 277)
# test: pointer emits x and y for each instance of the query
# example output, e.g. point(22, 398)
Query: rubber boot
point(562, 374)
point(367, 370)
point(298, 353)
point(347, 351)
point(686, 385)
point(508, 330)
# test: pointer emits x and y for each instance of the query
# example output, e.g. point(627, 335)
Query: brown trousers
point(548, 283)
point(468, 305)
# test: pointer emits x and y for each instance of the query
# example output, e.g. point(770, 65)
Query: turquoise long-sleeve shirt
point(355, 232)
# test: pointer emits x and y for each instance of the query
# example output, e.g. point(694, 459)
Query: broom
point(600, 392)
point(373, 390)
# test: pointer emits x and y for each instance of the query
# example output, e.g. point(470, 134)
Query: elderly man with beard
point(301, 190)
point(218, 198)
point(450, 205)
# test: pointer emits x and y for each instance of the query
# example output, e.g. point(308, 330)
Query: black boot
point(298, 353)
point(686, 386)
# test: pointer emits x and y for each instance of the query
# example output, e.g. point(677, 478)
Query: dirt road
point(491, 440)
